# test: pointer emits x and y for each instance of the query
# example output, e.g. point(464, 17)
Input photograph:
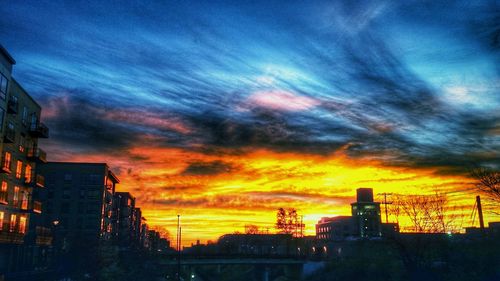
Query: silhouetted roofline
point(7, 55)
point(77, 163)
point(111, 174)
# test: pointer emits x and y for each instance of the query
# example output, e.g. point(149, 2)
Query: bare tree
point(251, 229)
point(488, 182)
point(163, 231)
point(287, 221)
point(427, 213)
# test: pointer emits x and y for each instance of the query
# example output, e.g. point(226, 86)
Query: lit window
point(6, 160)
point(13, 219)
point(22, 224)
point(24, 203)
point(1, 220)
point(27, 174)
point(3, 192)
point(15, 199)
point(19, 169)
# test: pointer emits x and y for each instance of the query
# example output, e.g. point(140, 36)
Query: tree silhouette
point(488, 182)
point(251, 229)
point(287, 221)
point(427, 213)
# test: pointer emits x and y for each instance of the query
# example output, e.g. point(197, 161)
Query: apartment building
point(128, 229)
point(20, 128)
point(78, 200)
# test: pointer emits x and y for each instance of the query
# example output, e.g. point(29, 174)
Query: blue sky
point(412, 84)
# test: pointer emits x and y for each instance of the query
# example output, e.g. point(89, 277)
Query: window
point(3, 192)
point(1, 220)
point(68, 177)
point(27, 174)
point(66, 194)
point(22, 224)
point(25, 116)
point(15, 199)
point(3, 86)
point(34, 121)
point(1, 118)
point(6, 161)
point(21, 143)
point(19, 169)
point(13, 219)
point(24, 202)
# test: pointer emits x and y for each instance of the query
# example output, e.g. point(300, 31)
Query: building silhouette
point(78, 202)
point(365, 221)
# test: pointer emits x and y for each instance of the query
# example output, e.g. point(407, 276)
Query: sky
point(225, 111)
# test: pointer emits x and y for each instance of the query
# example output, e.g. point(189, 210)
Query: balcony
point(10, 135)
point(12, 106)
point(36, 181)
point(37, 207)
point(40, 181)
point(10, 237)
point(37, 155)
point(5, 166)
point(39, 130)
point(3, 197)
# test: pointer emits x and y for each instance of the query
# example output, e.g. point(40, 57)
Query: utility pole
point(385, 205)
point(480, 212)
point(301, 226)
point(178, 248)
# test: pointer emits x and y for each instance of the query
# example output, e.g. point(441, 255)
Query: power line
point(385, 205)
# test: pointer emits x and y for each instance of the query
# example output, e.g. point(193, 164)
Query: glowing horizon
point(224, 112)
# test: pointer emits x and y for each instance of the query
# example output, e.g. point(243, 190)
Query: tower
point(366, 213)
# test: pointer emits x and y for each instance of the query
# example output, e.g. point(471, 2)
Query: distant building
point(257, 244)
point(78, 202)
point(22, 242)
point(124, 206)
point(365, 221)
point(336, 228)
point(366, 214)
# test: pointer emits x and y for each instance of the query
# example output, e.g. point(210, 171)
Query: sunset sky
point(225, 112)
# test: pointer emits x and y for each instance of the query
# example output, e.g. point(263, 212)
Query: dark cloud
point(208, 168)
point(106, 90)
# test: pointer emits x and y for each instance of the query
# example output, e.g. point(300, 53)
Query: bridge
point(232, 261)
point(262, 265)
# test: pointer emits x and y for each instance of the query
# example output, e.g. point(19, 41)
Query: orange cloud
point(221, 200)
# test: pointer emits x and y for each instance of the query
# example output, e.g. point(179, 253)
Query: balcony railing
point(3, 197)
point(40, 181)
point(10, 135)
point(12, 106)
point(35, 181)
point(5, 166)
point(10, 236)
point(37, 154)
point(39, 130)
point(37, 207)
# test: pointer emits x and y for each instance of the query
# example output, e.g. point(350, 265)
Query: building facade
point(127, 221)
point(22, 243)
point(78, 202)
